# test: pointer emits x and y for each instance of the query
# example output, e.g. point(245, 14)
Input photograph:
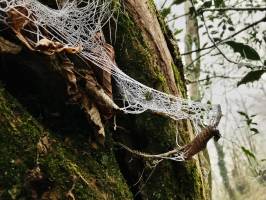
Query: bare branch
point(212, 77)
point(177, 17)
point(233, 9)
point(229, 37)
point(165, 1)
point(214, 43)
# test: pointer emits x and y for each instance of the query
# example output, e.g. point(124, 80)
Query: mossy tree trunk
point(47, 149)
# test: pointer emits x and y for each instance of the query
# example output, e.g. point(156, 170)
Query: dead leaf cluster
point(20, 19)
point(94, 94)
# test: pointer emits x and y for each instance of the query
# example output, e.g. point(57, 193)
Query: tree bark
point(47, 148)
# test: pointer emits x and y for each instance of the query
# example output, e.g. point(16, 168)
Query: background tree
point(232, 55)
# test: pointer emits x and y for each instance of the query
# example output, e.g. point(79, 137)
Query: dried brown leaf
point(95, 90)
point(49, 47)
point(17, 18)
point(69, 74)
point(44, 145)
point(199, 143)
point(93, 116)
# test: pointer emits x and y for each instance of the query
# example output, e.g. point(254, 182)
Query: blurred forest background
point(223, 45)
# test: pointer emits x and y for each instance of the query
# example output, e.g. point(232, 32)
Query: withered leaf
point(93, 116)
point(17, 18)
point(69, 74)
point(44, 145)
point(105, 103)
point(49, 47)
point(199, 143)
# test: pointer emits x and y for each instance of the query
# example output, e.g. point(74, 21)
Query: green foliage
point(245, 50)
point(177, 2)
point(251, 77)
point(165, 12)
point(207, 4)
point(250, 122)
point(177, 31)
point(248, 119)
point(219, 3)
point(248, 153)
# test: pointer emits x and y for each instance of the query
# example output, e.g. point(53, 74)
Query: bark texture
point(47, 148)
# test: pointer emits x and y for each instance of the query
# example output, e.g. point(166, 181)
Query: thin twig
point(153, 170)
point(166, 155)
point(177, 17)
point(208, 78)
point(196, 59)
point(214, 43)
point(234, 9)
point(229, 37)
point(165, 1)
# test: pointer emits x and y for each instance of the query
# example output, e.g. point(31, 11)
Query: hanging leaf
point(219, 3)
point(244, 50)
point(165, 12)
point(255, 131)
point(251, 77)
point(231, 28)
point(177, 2)
point(248, 153)
point(207, 4)
point(178, 31)
point(243, 114)
point(216, 39)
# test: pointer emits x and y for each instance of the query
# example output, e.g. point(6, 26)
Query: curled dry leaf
point(44, 145)
point(94, 89)
point(69, 74)
point(18, 18)
point(199, 143)
point(93, 116)
point(49, 47)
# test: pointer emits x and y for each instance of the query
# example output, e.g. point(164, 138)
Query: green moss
point(134, 57)
point(98, 176)
point(179, 81)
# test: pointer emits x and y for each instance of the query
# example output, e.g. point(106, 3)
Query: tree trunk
point(47, 147)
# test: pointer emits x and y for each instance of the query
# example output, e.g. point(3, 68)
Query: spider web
point(78, 24)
